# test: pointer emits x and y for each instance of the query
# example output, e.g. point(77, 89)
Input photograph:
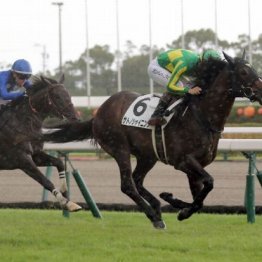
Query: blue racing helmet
point(21, 66)
point(210, 53)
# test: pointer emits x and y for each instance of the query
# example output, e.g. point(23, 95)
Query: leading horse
point(191, 140)
point(21, 129)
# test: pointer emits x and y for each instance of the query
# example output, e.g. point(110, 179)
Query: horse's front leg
point(43, 159)
point(196, 186)
point(201, 183)
point(26, 164)
point(174, 202)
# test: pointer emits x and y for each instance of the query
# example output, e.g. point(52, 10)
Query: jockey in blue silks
point(15, 81)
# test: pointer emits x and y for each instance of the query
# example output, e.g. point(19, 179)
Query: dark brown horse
point(21, 129)
point(191, 140)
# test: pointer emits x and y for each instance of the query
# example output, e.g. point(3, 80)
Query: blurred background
point(104, 46)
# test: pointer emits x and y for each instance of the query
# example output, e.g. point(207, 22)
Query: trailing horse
point(191, 139)
point(21, 129)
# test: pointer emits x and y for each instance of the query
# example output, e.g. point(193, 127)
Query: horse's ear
point(61, 79)
point(45, 80)
point(229, 59)
point(244, 54)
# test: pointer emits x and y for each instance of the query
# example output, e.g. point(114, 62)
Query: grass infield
point(44, 235)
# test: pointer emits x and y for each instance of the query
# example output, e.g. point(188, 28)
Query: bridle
point(240, 87)
point(49, 101)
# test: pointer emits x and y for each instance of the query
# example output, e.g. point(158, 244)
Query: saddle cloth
point(140, 111)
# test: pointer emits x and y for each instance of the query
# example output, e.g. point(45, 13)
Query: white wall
point(82, 101)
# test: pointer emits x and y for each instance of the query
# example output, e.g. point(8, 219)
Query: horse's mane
point(208, 70)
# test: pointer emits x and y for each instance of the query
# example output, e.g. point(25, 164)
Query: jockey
point(13, 82)
point(174, 69)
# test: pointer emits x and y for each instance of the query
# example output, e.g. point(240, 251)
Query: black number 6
point(140, 107)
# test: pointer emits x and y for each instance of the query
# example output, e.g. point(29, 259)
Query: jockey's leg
point(157, 117)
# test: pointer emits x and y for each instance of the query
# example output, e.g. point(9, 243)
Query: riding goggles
point(23, 76)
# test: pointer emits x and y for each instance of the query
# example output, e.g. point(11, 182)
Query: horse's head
point(245, 80)
point(55, 98)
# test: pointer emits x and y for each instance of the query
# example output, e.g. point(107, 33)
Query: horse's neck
point(217, 104)
point(29, 116)
point(37, 104)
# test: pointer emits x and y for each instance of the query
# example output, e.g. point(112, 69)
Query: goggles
point(23, 76)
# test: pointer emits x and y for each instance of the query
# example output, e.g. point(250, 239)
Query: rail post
point(66, 213)
point(250, 187)
point(86, 194)
point(81, 185)
point(84, 189)
point(48, 173)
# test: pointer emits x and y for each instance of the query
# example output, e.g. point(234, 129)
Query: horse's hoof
point(166, 196)
point(159, 224)
point(72, 207)
point(184, 214)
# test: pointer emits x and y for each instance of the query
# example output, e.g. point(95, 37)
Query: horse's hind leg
point(128, 187)
point(43, 159)
point(142, 168)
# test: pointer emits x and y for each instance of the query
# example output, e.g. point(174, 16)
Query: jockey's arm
point(4, 94)
point(176, 75)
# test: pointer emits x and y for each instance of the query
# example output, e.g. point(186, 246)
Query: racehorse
point(191, 139)
point(20, 131)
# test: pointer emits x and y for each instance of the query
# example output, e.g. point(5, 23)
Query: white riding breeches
point(161, 76)
point(158, 73)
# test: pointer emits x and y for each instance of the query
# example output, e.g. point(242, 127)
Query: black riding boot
point(157, 117)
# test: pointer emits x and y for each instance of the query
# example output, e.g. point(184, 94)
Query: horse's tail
point(75, 131)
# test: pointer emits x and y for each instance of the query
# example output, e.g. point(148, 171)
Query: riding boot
point(157, 117)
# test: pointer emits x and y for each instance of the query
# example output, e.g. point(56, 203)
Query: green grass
point(43, 235)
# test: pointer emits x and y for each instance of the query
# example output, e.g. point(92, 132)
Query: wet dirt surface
point(103, 181)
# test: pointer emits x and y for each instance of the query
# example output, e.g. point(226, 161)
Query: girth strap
point(159, 143)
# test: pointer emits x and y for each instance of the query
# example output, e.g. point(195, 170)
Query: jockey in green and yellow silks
point(174, 70)
point(179, 63)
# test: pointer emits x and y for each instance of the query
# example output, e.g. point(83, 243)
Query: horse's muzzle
point(258, 83)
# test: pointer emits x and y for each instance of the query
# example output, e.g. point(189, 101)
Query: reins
point(31, 106)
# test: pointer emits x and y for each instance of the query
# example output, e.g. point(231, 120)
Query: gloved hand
point(195, 90)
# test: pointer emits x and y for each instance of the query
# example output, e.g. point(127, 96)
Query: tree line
point(134, 62)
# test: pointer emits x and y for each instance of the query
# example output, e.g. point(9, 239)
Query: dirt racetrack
point(103, 180)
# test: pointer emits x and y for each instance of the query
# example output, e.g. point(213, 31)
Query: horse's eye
point(243, 72)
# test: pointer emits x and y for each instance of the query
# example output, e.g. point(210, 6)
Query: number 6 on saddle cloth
point(140, 112)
